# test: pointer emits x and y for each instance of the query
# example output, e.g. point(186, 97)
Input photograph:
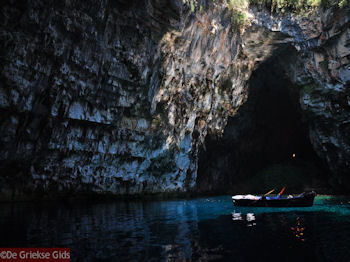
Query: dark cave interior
point(266, 144)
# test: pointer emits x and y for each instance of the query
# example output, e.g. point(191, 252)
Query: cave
point(266, 144)
point(158, 97)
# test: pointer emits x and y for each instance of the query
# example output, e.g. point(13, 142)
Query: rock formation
point(119, 96)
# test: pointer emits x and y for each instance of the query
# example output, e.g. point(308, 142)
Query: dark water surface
point(202, 229)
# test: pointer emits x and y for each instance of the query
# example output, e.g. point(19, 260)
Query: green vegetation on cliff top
point(239, 7)
point(293, 5)
point(274, 5)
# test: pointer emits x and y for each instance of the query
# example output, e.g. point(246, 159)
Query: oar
point(268, 193)
point(281, 192)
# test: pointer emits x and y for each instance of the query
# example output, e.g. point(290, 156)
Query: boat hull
point(304, 201)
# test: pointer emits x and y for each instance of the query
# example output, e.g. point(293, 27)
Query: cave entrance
point(266, 144)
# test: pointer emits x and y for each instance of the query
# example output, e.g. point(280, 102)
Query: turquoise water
point(202, 229)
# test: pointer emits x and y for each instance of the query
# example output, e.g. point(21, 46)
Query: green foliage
point(296, 6)
point(299, 5)
point(343, 3)
point(283, 5)
point(238, 14)
point(235, 4)
point(193, 4)
point(238, 19)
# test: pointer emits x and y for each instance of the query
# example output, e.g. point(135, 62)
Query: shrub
point(238, 14)
point(299, 5)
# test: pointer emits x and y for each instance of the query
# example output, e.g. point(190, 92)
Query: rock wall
point(118, 96)
point(99, 97)
point(74, 94)
point(322, 71)
point(313, 64)
point(325, 96)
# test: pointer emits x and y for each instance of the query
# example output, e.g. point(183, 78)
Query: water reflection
point(237, 216)
point(249, 218)
point(299, 230)
point(200, 229)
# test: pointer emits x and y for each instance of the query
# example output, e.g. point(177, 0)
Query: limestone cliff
point(118, 96)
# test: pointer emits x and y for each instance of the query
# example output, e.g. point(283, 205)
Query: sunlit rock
point(122, 98)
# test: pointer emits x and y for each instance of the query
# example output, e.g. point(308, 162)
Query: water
point(203, 229)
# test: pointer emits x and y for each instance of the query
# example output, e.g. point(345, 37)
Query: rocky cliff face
point(119, 96)
point(322, 71)
point(325, 97)
point(307, 74)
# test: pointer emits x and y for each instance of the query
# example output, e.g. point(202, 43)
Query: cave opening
point(266, 144)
